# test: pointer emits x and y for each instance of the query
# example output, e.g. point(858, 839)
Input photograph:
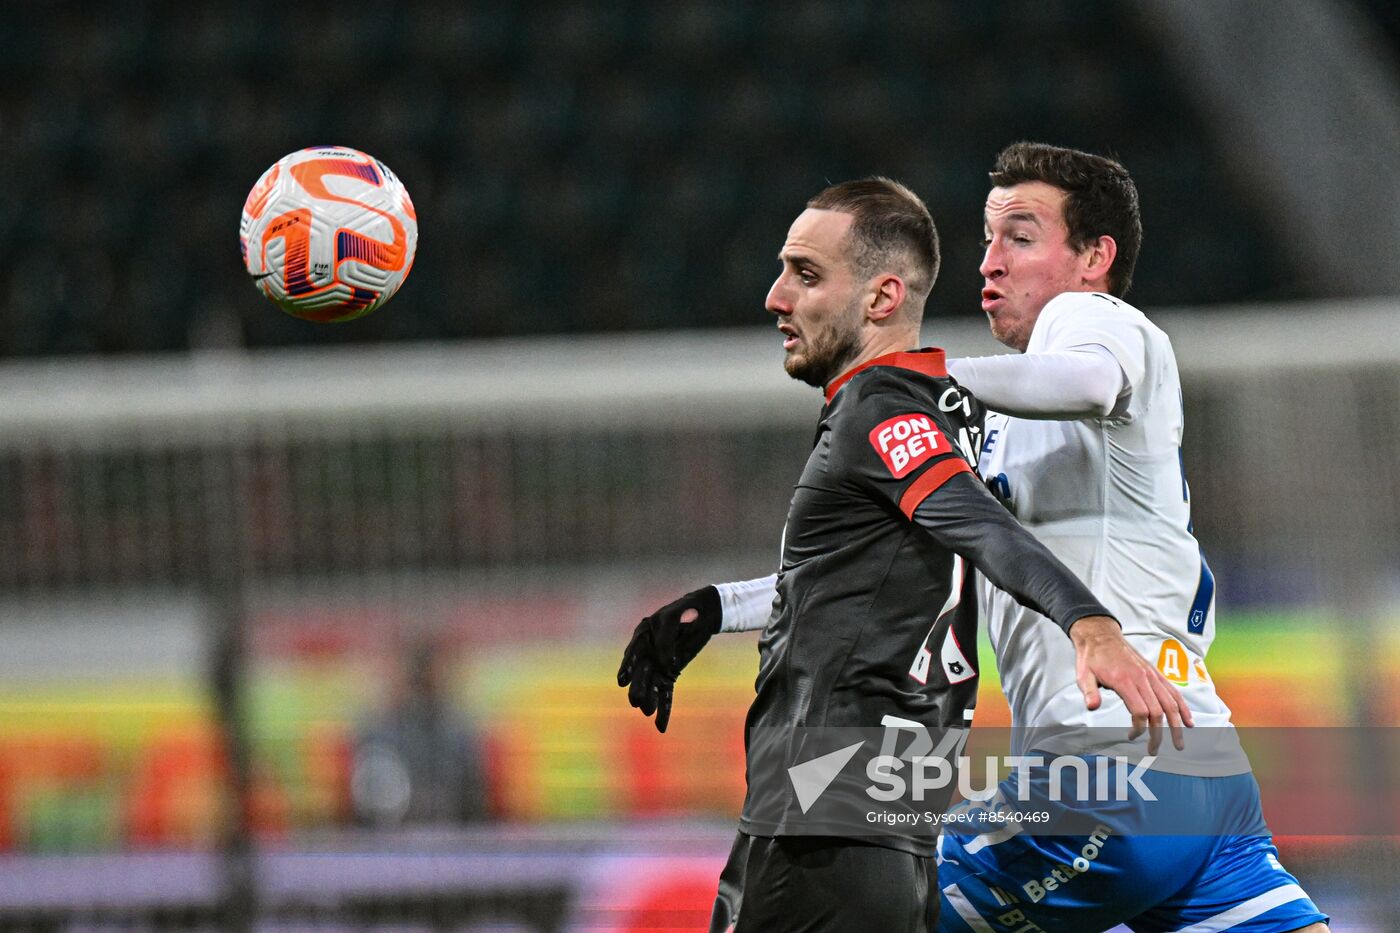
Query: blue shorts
point(1016, 880)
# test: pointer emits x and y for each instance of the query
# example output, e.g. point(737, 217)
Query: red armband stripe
point(926, 484)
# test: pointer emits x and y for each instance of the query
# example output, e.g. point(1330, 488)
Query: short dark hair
point(892, 228)
point(1101, 199)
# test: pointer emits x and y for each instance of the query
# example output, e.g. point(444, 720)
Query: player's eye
point(985, 242)
point(807, 276)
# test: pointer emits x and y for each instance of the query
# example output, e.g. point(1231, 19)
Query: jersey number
point(956, 666)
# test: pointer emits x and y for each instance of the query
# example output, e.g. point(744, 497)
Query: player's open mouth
point(990, 298)
point(790, 337)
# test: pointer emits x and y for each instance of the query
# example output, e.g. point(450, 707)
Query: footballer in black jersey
point(873, 625)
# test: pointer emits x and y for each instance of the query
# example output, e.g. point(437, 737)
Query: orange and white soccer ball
point(328, 233)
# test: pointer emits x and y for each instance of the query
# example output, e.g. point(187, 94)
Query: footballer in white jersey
point(1093, 469)
point(1107, 495)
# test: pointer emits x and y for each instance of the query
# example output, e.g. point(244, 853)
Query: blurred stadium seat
point(549, 141)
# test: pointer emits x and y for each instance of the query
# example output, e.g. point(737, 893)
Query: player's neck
point(883, 342)
point(885, 345)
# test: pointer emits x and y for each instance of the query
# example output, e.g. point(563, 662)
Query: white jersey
point(1108, 497)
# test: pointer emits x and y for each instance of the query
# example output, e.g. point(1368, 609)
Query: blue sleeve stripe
point(1205, 592)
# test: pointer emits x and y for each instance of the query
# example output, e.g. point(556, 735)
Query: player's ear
point(1098, 259)
point(887, 297)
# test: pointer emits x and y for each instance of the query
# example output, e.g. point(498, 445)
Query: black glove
point(662, 645)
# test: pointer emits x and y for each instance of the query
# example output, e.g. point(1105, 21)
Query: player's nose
point(992, 265)
point(778, 301)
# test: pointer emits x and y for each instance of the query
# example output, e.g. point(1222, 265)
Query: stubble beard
point(826, 358)
point(1000, 334)
point(1010, 336)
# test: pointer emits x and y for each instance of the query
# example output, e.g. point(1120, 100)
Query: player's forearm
point(1063, 385)
point(965, 518)
point(747, 604)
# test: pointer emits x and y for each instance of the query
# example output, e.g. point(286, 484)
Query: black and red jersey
point(875, 615)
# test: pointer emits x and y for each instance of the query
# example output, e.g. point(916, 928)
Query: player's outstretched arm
point(1080, 382)
point(965, 518)
point(662, 645)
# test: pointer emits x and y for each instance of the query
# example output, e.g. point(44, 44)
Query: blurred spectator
point(419, 761)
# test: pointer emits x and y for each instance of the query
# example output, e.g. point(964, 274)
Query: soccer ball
point(328, 233)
